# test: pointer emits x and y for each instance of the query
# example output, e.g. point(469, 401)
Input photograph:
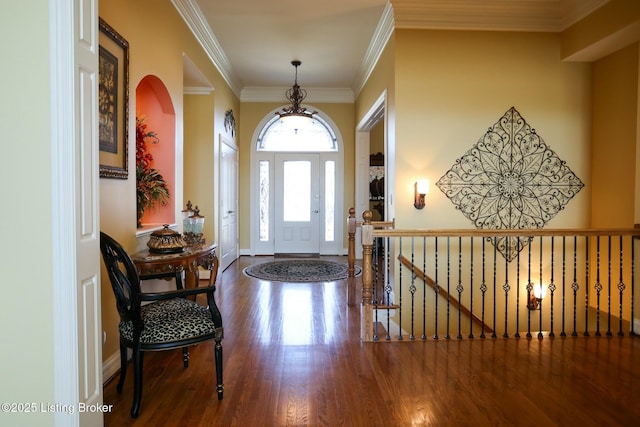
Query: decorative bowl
point(166, 241)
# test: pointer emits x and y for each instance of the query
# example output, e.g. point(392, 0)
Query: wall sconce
point(536, 294)
point(420, 189)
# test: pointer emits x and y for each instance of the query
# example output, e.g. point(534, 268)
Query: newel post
point(351, 257)
point(366, 309)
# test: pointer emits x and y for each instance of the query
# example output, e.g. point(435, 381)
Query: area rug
point(300, 270)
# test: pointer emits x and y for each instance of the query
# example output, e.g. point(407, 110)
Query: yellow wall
point(252, 114)
point(203, 125)
point(199, 144)
point(615, 101)
point(452, 85)
point(158, 38)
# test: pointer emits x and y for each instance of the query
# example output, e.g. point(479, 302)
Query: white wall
point(26, 318)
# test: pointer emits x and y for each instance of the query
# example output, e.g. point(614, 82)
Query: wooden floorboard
point(292, 357)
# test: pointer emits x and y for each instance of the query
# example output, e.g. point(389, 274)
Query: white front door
point(228, 243)
point(297, 204)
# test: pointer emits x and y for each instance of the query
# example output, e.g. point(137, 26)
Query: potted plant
point(151, 188)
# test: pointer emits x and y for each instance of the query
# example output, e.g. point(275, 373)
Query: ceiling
point(252, 42)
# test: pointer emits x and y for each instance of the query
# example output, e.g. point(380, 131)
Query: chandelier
point(296, 95)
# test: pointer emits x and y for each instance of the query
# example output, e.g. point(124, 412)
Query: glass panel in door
point(297, 207)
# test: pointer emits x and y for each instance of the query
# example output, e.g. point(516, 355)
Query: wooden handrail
point(379, 224)
point(536, 232)
point(454, 302)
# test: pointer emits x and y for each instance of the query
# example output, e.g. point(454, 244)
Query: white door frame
point(77, 336)
point(376, 113)
point(337, 247)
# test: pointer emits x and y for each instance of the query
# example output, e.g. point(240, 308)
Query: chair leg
point(218, 356)
point(137, 382)
point(185, 356)
point(123, 367)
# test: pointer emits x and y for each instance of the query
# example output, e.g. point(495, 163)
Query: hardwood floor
point(292, 357)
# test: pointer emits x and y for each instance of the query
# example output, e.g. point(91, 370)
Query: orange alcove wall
point(154, 104)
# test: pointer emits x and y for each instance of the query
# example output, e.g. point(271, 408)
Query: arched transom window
point(294, 133)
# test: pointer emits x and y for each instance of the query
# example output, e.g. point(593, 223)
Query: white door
point(87, 220)
point(77, 329)
point(297, 204)
point(228, 242)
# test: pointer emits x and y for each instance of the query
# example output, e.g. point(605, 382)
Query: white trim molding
point(193, 17)
point(314, 95)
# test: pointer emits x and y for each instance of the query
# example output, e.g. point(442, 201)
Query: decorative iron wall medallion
point(510, 179)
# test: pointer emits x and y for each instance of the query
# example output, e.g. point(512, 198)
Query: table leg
point(192, 275)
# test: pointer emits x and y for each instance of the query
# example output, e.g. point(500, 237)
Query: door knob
point(316, 211)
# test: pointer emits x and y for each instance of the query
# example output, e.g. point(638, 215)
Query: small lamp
point(420, 189)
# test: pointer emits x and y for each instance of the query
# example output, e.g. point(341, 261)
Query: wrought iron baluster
point(412, 290)
point(387, 288)
point(517, 335)
point(540, 302)
point(529, 289)
point(471, 290)
point(460, 288)
point(376, 285)
point(609, 287)
point(424, 289)
point(435, 291)
point(483, 286)
point(575, 286)
point(447, 335)
point(374, 258)
point(564, 276)
point(495, 281)
point(552, 287)
point(505, 287)
point(633, 283)
point(399, 297)
point(598, 286)
point(621, 285)
point(586, 293)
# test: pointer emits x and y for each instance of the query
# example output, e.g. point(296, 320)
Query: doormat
point(300, 270)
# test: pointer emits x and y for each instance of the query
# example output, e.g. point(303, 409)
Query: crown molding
point(192, 16)
point(380, 38)
point(197, 90)
point(493, 15)
point(314, 94)
point(497, 15)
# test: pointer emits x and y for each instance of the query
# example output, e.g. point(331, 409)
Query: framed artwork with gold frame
point(113, 102)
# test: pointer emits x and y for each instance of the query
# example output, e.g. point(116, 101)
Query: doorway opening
point(296, 204)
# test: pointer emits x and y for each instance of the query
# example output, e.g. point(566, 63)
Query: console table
point(154, 265)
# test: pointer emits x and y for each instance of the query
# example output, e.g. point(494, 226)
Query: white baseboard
point(636, 326)
point(110, 367)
